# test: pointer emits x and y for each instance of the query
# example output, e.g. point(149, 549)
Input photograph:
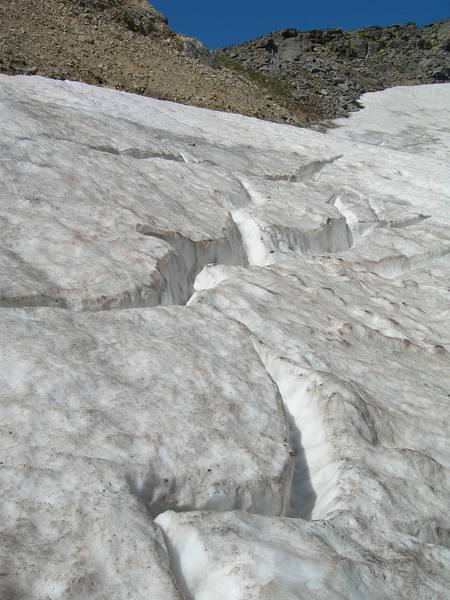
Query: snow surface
point(281, 433)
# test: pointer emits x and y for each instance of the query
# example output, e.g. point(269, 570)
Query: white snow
point(238, 556)
point(305, 383)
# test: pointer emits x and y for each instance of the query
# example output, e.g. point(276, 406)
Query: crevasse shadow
point(303, 497)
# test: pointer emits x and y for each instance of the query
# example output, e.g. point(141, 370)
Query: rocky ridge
point(330, 69)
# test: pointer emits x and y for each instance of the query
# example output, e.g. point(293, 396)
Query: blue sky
point(224, 22)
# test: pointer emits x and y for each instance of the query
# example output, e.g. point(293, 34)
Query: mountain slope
point(127, 45)
point(330, 69)
point(288, 76)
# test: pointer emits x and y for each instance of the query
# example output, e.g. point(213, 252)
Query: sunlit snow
point(224, 349)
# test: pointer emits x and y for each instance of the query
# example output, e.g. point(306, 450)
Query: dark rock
point(270, 46)
point(441, 73)
point(137, 15)
point(358, 48)
point(195, 49)
point(288, 33)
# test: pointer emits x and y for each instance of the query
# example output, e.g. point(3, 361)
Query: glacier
point(224, 352)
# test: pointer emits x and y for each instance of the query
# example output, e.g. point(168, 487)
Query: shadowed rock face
point(332, 67)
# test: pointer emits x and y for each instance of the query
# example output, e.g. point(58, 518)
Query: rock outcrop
point(330, 69)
